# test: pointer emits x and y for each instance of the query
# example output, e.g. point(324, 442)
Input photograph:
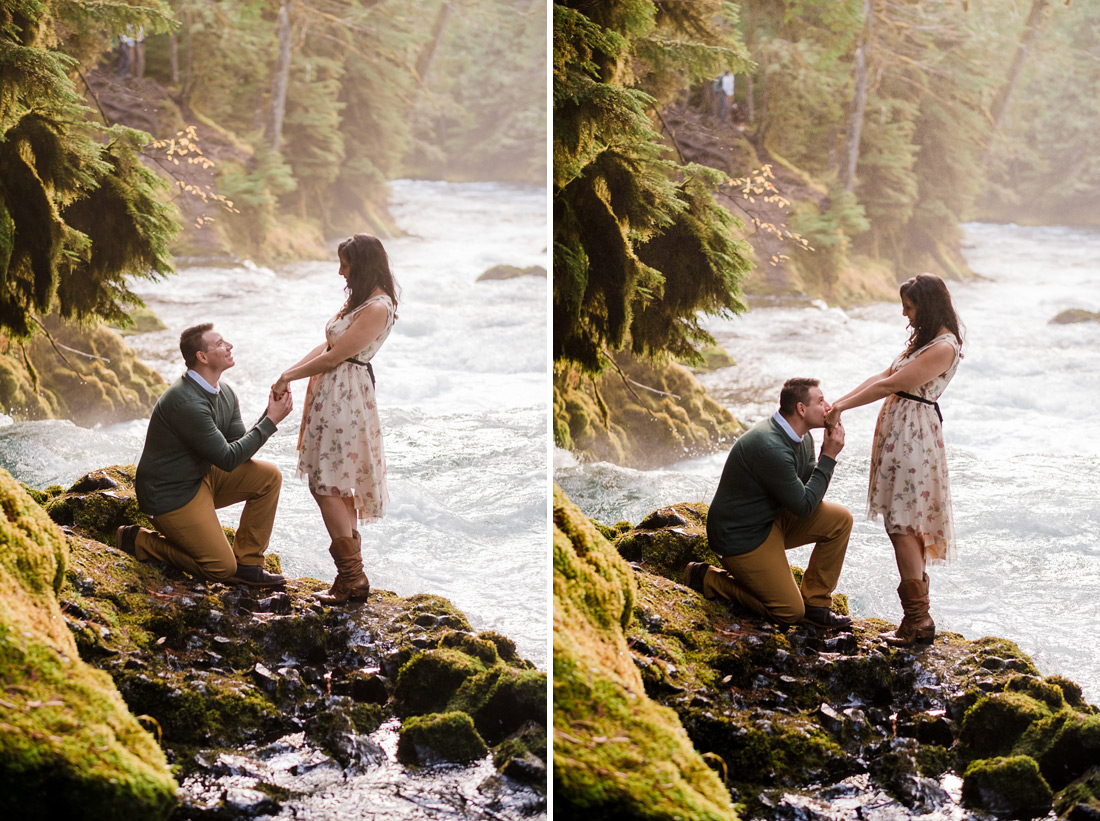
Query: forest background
point(861, 135)
point(134, 133)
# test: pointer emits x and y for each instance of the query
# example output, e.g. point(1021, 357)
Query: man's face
point(218, 352)
point(814, 412)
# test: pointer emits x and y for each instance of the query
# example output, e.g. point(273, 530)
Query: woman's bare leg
point(909, 555)
point(334, 512)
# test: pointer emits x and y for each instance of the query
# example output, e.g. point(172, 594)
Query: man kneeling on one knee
point(198, 458)
point(770, 499)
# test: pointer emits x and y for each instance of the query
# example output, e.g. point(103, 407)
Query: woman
point(340, 446)
point(908, 483)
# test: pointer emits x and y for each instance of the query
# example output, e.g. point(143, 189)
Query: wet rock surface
point(806, 724)
point(271, 704)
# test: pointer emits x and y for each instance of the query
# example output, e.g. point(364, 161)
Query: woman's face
point(344, 268)
point(909, 311)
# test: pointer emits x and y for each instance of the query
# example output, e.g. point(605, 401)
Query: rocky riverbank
point(794, 724)
point(263, 702)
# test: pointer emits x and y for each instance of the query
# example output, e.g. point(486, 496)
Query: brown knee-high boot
point(351, 582)
point(916, 625)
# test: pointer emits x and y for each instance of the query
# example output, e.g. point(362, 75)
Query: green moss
point(426, 683)
point(1084, 792)
point(1008, 787)
point(365, 718)
point(440, 737)
point(933, 760)
point(482, 649)
point(606, 419)
point(68, 745)
point(506, 648)
point(617, 753)
point(996, 722)
point(1041, 690)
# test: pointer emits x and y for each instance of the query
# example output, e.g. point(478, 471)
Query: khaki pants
point(761, 579)
point(193, 538)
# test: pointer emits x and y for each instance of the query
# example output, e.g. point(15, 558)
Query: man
point(725, 83)
point(770, 500)
point(198, 458)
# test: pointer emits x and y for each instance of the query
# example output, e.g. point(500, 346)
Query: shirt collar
point(783, 423)
point(206, 386)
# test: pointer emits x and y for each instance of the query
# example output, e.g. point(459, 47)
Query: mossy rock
point(522, 756)
point(482, 649)
point(617, 753)
point(715, 358)
point(104, 382)
point(428, 680)
point(1074, 315)
point(607, 418)
point(69, 746)
point(142, 321)
point(996, 722)
point(512, 272)
point(98, 503)
point(667, 539)
point(1068, 748)
point(515, 698)
point(1008, 787)
point(440, 738)
point(1081, 799)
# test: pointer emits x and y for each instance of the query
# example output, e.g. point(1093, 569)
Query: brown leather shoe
point(126, 539)
point(694, 574)
point(825, 618)
point(255, 576)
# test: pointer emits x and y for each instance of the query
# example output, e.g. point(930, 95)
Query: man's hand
point(833, 443)
point(279, 409)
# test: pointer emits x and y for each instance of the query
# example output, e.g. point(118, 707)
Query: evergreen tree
point(640, 246)
point(79, 213)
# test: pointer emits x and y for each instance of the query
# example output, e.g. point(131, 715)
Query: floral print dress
point(340, 444)
point(909, 484)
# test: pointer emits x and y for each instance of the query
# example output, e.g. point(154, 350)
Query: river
point(1022, 457)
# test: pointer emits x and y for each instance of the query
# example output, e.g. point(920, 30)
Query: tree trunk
point(281, 78)
point(427, 54)
point(859, 103)
point(1031, 28)
point(174, 57)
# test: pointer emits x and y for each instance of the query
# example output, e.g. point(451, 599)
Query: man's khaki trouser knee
point(193, 538)
point(761, 579)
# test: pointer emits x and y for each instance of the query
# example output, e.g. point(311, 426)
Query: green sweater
point(766, 473)
point(190, 430)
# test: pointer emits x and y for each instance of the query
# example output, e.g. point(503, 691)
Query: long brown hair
point(368, 268)
point(930, 297)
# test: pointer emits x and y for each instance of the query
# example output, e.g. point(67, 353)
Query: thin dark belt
point(367, 365)
point(922, 400)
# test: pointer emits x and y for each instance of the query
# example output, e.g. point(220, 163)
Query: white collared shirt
point(206, 386)
point(783, 423)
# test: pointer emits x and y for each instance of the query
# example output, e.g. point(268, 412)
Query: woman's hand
point(282, 384)
point(832, 418)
